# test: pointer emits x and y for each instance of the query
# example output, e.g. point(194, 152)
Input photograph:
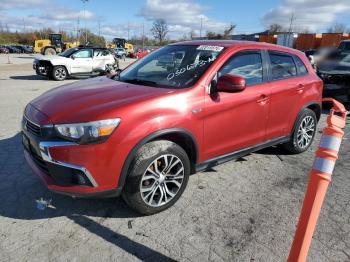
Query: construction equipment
point(53, 45)
point(121, 43)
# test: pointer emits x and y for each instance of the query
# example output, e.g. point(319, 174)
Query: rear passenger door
point(102, 58)
point(287, 88)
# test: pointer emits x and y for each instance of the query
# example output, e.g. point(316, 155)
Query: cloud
point(182, 16)
point(67, 14)
point(58, 18)
point(311, 14)
point(19, 4)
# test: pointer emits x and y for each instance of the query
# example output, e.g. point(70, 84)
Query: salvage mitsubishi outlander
point(181, 109)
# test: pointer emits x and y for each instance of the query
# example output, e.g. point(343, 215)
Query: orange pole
point(320, 177)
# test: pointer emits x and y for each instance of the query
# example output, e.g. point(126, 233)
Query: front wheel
point(157, 178)
point(304, 132)
point(59, 73)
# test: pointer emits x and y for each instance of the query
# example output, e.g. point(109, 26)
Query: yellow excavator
point(53, 45)
point(121, 43)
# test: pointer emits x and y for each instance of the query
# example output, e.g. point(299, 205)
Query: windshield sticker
point(214, 48)
point(189, 67)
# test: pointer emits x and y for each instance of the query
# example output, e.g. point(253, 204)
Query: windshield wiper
point(139, 81)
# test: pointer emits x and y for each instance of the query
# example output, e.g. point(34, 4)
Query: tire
point(159, 192)
point(304, 132)
point(49, 51)
point(59, 73)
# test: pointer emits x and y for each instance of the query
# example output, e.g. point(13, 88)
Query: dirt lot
point(244, 210)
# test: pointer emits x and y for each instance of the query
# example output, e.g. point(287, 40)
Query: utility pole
point(84, 3)
point(200, 31)
point(290, 29)
point(128, 31)
point(78, 22)
point(24, 26)
point(143, 35)
point(99, 27)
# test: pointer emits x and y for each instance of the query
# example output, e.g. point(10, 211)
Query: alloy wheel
point(305, 132)
point(162, 180)
point(60, 73)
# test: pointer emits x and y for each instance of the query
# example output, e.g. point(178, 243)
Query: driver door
point(235, 121)
point(81, 61)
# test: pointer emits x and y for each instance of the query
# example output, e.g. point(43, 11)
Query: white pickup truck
point(78, 61)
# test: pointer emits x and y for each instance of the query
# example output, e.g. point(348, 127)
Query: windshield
point(68, 52)
point(173, 66)
point(344, 46)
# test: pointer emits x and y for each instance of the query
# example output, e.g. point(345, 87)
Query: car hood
point(334, 67)
point(91, 99)
point(49, 57)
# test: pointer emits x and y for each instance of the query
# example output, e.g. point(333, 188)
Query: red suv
point(183, 108)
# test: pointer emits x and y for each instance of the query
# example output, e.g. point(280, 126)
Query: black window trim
point(263, 63)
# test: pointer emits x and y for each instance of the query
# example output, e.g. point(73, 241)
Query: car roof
point(238, 43)
point(91, 47)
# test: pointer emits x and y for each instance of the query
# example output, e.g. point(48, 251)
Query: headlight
point(89, 132)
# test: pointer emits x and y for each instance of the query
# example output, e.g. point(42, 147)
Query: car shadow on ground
point(21, 190)
point(29, 77)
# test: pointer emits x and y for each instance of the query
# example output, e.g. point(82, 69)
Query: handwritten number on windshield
point(189, 67)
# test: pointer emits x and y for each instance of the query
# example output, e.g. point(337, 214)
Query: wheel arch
point(314, 106)
point(180, 136)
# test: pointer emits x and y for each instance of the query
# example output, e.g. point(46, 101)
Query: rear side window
point(300, 65)
point(246, 64)
point(282, 66)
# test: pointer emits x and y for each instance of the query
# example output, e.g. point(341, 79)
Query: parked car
point(78, 61)
point(13, 49)
point(139, 53)
point(144, 131)
point(317, 56)
point(4, 50)
point(24, 49)
point(335, 74)
point(120, 52)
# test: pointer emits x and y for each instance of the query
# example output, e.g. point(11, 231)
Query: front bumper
point(60, 166)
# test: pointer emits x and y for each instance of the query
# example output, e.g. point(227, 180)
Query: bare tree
point(159, 30)
point(229, 31)
point(337, 28)
point(275, 28)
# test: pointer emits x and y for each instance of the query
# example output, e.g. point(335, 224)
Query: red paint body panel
point(220, 123)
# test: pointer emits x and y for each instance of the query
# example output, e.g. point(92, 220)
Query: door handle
point(262, 99)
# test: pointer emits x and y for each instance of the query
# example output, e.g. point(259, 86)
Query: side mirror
point(73, 57)
point(230, 83)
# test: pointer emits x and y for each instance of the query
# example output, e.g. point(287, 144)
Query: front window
point(247, 64)
point(344, 46)
point(174, 66)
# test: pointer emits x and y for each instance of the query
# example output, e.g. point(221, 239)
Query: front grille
point(32, 128)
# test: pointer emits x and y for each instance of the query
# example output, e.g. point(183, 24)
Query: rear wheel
point(157, 178)
point(59, 73)
point(304, 132)
point(50, 51)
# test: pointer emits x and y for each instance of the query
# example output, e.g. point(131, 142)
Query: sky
point(130, 18)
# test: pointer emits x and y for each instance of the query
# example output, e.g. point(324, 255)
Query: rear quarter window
point(301, 66)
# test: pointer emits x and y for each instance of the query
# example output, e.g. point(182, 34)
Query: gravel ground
point(244, 210)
